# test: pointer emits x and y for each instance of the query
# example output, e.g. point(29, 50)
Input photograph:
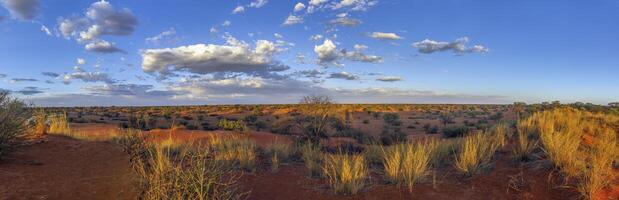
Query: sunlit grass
point(346, 173)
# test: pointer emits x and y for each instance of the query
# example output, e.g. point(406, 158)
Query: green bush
point(231, 125)
point(455, 131)
point(13, 117)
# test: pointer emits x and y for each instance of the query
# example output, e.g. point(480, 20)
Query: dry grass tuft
point(59, 125)
point(346, 173)
point(526, 140)
point(408, 163)
point(234, 151)
point(278, 152)
point(477, 152)
point(312, 158)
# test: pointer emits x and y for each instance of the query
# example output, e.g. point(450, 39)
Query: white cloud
point(313, 73)
point(345, 21)
point(344, 75)
point(459, 47)
point(226, 23)
point(89, 77)
point(317, 2)
point(355, 5)
point(238, 10)
point(316, 37)
point(235, 57)
point(328, 54)
point(213, 30)
point(22, 9)
point(293, 19)
point(128, 90)
point(102, 46)
point(299, 7)
point(155, 39)
point(278, 36)
point(385, 36)
point(360, 47)
point(46, 30)
point(258, 3)
point(389, 79)
point(81, 61)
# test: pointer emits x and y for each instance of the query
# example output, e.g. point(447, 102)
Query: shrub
point(407, 163)
point(455, 131)
point(230, 125)
point(13, 117)
point(392, 118)
point(283, 126)
point(346, 173)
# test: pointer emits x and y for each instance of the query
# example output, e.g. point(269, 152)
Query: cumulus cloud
point(317, 2)
point(389, 79)
point(458, 47)
point(155, 39)
point(299, 7)
point(292, 20)
point(50, 74)
point(345, 21)
point(30, 91)
point(46, 30)
point(102, 46)
point(355, 5)
point(22, 9)
point(100, 19)
point(385, 36)
point(328, 54)
point(344, 75)
point(238, 10)
point(234, 57)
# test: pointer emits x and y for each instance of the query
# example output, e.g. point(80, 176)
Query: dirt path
point(64, 168)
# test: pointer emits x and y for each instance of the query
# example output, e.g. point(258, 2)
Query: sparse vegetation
point(476, 153)
point(407, 163)
point(346, 173)
point(13, 118)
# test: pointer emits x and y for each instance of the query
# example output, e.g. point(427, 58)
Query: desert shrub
point(392, 118)
point(187, 176)
point(476, 153)
point(235, 151)
point(407, 163)
point(13, 117)
point(374, 153)
point(58, 124)
point(391, 135)
point(444, 149)
point(356, 134)
point(455, 131)
point(312, 158)
point(366, 121)
point(346, 173)
point(278, 152)
point(230, 125)
point(283, 126)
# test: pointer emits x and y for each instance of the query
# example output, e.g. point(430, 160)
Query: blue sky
point(358, 51)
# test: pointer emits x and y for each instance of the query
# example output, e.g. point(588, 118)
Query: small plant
point(312, 158)
point(40, 119)
point(456, 131)
point(58, 124)
point(525, 143)
point(346, 173)
point(278, 152)
point(230, 125)
point(476, 153)
point(407, 163)
point(234, 151)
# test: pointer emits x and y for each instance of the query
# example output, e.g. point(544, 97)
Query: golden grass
point(40, 119)
point(525, 143)
point(346, 173)
point(408, 163)
point(278, 152)
point(477, 152)
point(580, 144)
point(312, 158)
point(234, 151)
point(58, 124)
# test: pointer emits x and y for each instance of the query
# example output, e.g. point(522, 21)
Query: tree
point(317, 110)
point(614, 104)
